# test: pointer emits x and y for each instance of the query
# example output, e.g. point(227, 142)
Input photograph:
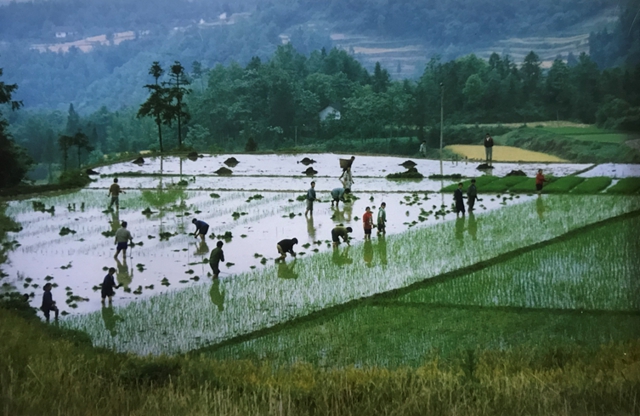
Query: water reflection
point(368, 253)
point(286, 271)
point(123, 274)
point(115, 220)
point(341, 257)
point(382, 249)
point(473, 226)
point(459, 229)
point(311, 229)
point(217, 297)
point(202, 249)
point(110, 320)
point(540, 208)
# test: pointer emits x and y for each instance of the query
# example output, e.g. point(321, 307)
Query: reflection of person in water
point(110, 320)
point(202, 249)
point(459, 227)
point(115, 221)
point(286, 271)
point(217, 297)
point(473, 226)
point(382, 249)
point(311, 229)
point(368, 252)
point(540, 207)
point(125, 277)
point(341, 258)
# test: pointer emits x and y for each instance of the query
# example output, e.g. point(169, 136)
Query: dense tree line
point(275, 103)
point(621, 46)
point(110, 75)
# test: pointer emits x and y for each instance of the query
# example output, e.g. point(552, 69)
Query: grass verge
point(47, 375)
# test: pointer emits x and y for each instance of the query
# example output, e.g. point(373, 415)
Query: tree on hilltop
point(156, 105)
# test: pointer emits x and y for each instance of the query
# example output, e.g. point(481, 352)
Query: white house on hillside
point(329, 110)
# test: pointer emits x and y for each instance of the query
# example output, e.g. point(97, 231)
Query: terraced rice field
point(502, 154)
point(431, 270)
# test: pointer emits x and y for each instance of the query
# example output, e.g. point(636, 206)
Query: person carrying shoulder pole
point(311, 197)
point(122, 237)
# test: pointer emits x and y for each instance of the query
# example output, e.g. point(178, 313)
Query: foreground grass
point(43, 374)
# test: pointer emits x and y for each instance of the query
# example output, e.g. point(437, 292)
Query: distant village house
point(330, 110)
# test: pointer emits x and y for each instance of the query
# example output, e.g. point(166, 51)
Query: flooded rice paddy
point(171, 304)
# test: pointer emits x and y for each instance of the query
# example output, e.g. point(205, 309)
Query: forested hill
point(96, 52)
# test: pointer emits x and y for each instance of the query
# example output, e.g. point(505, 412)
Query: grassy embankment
point(562, 185)
point(576, 144)
point(44, 374)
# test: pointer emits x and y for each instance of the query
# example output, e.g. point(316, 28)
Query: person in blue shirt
point(338, 194)
point(311, 196)
point(201, 228)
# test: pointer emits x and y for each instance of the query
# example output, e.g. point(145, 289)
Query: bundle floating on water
point(232, 162)
point(484, 166)
point(223, 171)
point(310, 171)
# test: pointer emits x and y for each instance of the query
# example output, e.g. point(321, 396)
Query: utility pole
point(441, 121)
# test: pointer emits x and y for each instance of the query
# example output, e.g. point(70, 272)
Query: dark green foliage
point(592, 185)
point(503, 184)
point(74, 179)
point(626, 186)
point(563, 185)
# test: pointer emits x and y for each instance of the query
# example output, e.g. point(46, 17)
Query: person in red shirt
point(540, 180)
point(367, 221)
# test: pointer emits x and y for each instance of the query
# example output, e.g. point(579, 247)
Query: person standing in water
point(472, 195)
point(114, 193)
point(382, 219)
point(347, 179)
point(122, 237)
point(311, 197)
point(488, 149)
point(108, 285)
point(457, 197)
point(367, 223)
point(217, 255)
point(540, 180)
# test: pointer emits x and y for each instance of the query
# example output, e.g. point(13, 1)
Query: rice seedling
point(258, 299)
point(592, 186)
point(626, 186)
point(563, 185)
point(503, 184)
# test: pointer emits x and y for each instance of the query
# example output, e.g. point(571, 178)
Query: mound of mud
point(484, 166)
point(231, 162)
point(306, 161)
point(411, 173)
point(139, 161)
point(192, 156)
point(310, 171)
point(516, 173)
point(223, 171)
point(408, 164)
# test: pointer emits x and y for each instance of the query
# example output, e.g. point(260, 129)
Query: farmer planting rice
point(122, 237)
point(311, 197)
point(337, 195)
point(48, 305)
point(540, 180)
point(217, 255)
point(108, 285)
point(338, 232)
point(114, 193)
point(286, 246)
point(201, 228)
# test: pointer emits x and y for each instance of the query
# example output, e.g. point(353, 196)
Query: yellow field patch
point(502, 154)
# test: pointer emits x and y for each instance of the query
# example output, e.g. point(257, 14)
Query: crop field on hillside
point(492, 265)
point(502, 154)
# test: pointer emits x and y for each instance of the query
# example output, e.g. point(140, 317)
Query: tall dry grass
point(42, 373)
